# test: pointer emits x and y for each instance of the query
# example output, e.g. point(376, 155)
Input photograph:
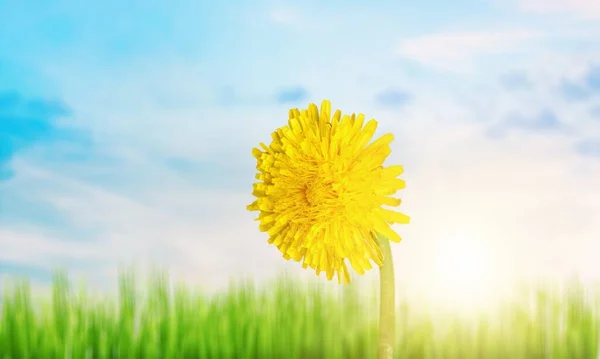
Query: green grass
point(287, 319)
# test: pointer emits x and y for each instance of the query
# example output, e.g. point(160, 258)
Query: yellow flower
point(321, 189)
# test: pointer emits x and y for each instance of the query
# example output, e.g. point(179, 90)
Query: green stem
point(387, 315)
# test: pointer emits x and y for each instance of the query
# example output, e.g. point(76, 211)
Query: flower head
point(321, 190)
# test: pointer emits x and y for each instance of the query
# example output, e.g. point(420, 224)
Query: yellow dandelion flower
point(321, 190)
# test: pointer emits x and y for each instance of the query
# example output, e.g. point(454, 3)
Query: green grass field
point(286, 319)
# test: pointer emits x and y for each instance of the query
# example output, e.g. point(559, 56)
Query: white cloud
point(200, 233)
point(589, 9)
point(458, 51)
point(287, 17)
point(303, 19)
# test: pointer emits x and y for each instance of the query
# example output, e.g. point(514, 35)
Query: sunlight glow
point(464, 273)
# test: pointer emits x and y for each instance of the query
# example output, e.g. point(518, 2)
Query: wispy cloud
point(291, 95)
point(393, 98)
point(589, 9)
point(179, 223)
point(32, 272)
point(27, 121)
point(589, 147)
point(287, 17)
point(458, 51)
point(545, 120)
point(573, 91)
point(592, 78)
point(581, 88)
point(515, 81)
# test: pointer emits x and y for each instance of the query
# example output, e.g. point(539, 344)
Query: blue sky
point(126, 129)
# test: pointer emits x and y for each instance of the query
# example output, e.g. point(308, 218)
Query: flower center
point(321, 193)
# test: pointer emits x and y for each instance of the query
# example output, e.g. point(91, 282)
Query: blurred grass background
point(287, 319)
